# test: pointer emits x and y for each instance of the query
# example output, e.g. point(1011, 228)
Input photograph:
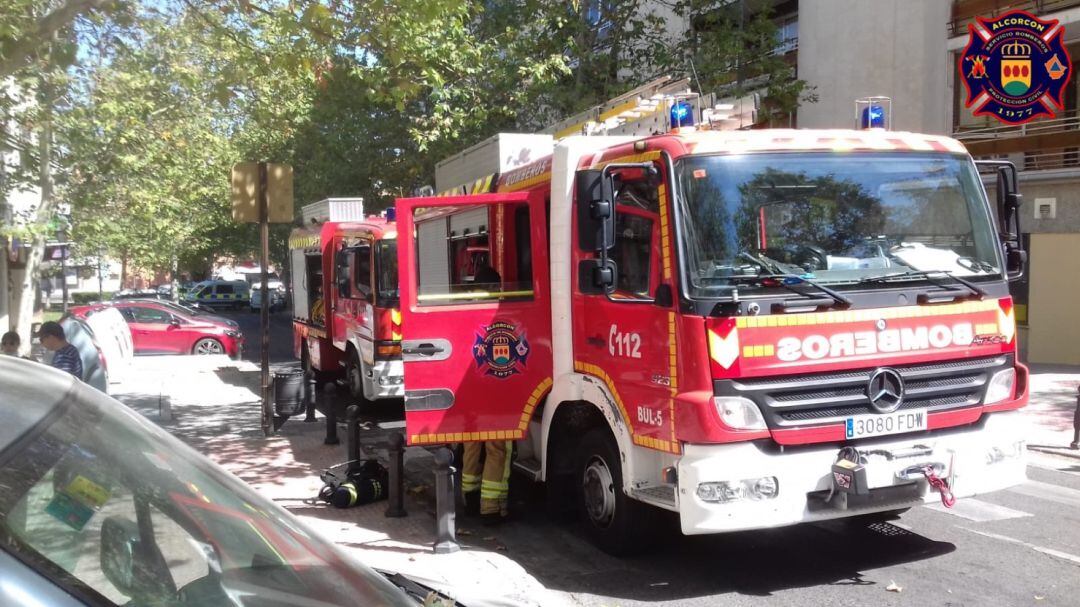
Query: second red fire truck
point(346, 321)
point(747, 328)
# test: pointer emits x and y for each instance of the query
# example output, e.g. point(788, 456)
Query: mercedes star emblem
point(885, 390)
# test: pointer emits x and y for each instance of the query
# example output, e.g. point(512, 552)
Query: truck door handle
point(424, 349)
point(596, 341)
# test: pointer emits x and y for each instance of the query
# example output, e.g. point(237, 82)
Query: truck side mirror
point(1008, 215)
point(596, 225)
point(1009, 201)
point(341, 270)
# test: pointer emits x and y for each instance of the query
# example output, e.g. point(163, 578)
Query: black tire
point(617, 524)
point(208, 346)
point(354, 379)
point(305, 363)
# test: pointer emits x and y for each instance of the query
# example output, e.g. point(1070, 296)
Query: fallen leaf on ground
point(490, 538)
point(654, 584)
point(464, 532)
point(894, 587)
point(500, 547)
point(1039, 597)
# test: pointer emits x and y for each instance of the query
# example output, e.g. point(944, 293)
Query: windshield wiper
point(788, 281)
point(972, 289)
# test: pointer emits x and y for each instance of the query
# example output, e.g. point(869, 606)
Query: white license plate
point(862, 426)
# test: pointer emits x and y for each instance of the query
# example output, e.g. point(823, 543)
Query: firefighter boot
point(495, 485)
point(471, 470)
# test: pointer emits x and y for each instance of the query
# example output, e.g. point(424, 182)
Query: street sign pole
point(263, 192)
point(264, 308)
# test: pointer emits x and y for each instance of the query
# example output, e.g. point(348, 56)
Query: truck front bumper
point(977, 459)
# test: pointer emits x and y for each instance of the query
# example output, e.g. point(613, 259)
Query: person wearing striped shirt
point(65, 356)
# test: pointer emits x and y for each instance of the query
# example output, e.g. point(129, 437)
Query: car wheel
point(613, 521)
point(208, 345)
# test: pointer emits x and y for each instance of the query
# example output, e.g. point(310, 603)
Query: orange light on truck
point(388, 350)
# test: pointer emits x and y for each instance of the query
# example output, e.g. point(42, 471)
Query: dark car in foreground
point(101, 507)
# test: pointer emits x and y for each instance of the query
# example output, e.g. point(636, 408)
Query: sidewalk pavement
point(215, 408)
point(1051, 411)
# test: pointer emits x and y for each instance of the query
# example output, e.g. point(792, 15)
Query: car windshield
point(118, 512)
point(832, 218)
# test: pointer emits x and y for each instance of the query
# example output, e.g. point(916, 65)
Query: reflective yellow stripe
point(474, 295)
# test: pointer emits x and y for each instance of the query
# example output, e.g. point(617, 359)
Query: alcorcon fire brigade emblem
point(500, 349)
point(1015, 67)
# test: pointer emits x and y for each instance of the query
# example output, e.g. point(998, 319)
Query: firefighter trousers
point(489, 474)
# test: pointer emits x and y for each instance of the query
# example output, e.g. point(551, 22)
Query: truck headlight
point(1001, 386)
point(739, 413)
point(764, 488)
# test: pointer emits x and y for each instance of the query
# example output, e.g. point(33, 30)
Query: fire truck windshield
point(843, 219)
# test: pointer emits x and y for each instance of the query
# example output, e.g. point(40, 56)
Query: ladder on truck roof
point(641, 112)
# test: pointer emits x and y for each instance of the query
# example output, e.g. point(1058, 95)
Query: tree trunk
point(5, 288)
point(23, 291)
point(123, 270)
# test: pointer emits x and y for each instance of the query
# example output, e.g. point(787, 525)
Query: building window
point(787, 35)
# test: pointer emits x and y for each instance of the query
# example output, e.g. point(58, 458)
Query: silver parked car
point(101, 507)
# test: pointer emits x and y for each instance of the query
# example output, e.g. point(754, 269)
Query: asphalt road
point(1015, 547)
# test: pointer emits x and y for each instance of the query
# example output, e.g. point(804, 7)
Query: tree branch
point(25, 50)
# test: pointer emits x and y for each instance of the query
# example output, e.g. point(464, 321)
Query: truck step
point(657, 495)
point(529, 467)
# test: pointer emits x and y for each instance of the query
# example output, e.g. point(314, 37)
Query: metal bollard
point(352, 436)
point(396, 506)
point(331, 425)
point(1075, 444)
point(445, 531)
point(309, 395)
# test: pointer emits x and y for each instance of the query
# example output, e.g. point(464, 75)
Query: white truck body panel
point(498, 154)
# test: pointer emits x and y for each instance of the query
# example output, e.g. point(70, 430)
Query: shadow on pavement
point(755, 563)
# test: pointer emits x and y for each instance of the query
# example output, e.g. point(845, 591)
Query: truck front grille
point(822, 398)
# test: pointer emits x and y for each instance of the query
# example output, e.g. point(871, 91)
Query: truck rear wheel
point(613, 521)
point(309, 369)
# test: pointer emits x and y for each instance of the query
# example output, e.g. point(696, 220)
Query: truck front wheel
point(354, 377)
point(612, 520)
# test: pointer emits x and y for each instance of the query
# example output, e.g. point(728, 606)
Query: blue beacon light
point(873, 117)
point(682, 114)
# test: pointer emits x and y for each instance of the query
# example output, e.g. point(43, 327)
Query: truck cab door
point(476, 315)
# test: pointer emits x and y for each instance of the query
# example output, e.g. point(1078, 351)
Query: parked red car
point(163, 328)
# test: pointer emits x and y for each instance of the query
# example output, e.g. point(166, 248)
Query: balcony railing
point(1043, 144)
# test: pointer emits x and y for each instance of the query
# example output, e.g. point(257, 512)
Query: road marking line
point(979, 511)
point(1072, 558)
point(1049, 492)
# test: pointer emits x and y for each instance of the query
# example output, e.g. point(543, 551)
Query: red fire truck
point(749, 328)
point(345, 299)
